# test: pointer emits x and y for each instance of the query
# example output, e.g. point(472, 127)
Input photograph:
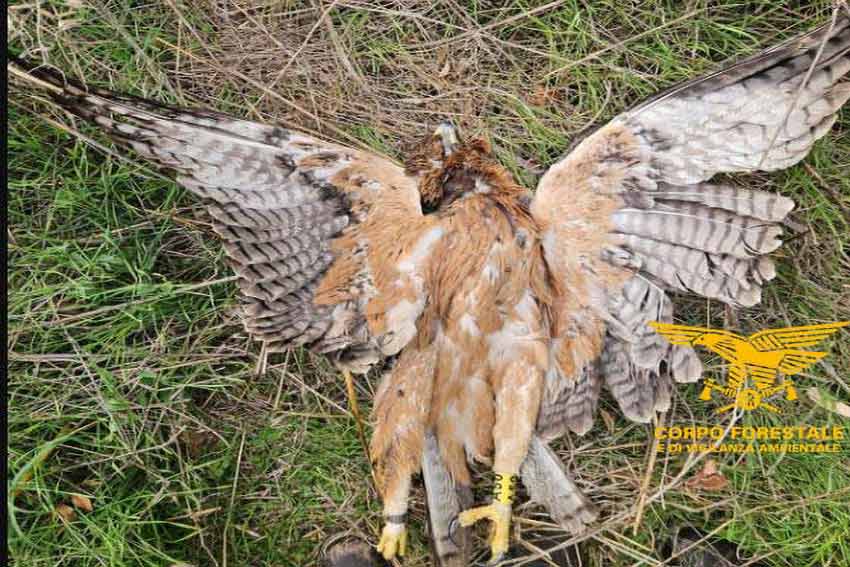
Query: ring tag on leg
point(504, 488)
point(396, 518)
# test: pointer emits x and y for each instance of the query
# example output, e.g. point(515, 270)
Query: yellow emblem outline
point(759, 358)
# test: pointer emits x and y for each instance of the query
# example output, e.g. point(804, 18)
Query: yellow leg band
point(504, 488)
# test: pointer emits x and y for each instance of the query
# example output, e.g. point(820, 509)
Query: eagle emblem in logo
point(755, 361)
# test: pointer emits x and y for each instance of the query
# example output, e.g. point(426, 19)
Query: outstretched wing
point(630, 215)
point(794, 337)
point(328, 242)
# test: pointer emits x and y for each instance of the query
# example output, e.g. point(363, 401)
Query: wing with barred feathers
point(327, 241)
point(630, 215)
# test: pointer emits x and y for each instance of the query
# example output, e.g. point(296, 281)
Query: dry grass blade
point(64, 321)
point(620, 44)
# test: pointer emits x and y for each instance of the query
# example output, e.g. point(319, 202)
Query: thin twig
point(254, 83)
point(644, 487)
point(232, 500)
point(297, 51)
point(837, 197)
point(800, 89)
point(109, 308)
point(491, 26)
point(619, 44)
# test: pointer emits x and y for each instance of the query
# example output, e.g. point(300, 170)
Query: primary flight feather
point(504, 311)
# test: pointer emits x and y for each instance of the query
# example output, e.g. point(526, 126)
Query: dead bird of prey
point(504, 311)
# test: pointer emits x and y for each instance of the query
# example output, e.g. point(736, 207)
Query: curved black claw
point(454, 526)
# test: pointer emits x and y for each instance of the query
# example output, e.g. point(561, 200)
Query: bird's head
point(448, 167)
point(707, 340)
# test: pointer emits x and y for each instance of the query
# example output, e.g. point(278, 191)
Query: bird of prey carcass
point(505, 310)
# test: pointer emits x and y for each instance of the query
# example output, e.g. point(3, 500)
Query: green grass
point(132, 382)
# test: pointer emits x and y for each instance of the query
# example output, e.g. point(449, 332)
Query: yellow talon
point(393, 541)
point(500, 514)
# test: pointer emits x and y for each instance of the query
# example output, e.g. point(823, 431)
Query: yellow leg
point(498, 512)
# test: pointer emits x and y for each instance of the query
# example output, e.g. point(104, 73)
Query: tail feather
point(543, 475)
point(445, 502)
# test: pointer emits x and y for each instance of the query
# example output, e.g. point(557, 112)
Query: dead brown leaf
point(542, 96)
point(447, 68)
point(65, 513)
point(197, 442)
point(709, 478)
point(82, 502)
